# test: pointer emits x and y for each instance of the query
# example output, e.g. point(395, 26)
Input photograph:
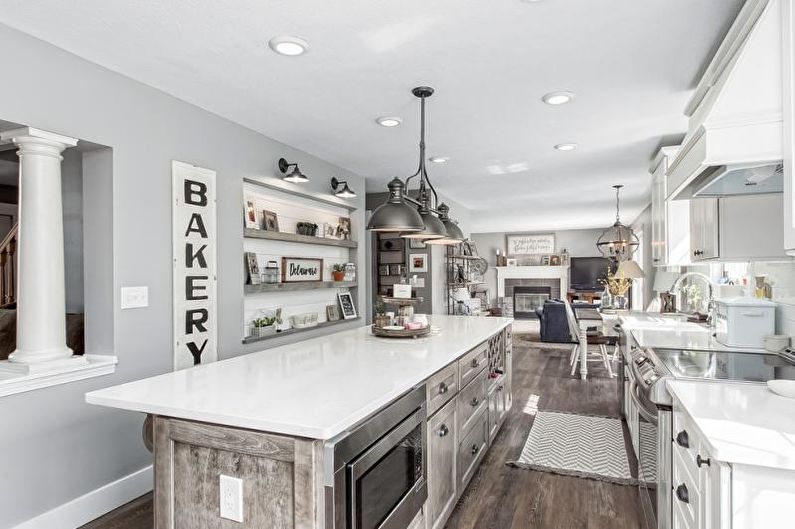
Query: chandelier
point(421, 218)
point(617, 242)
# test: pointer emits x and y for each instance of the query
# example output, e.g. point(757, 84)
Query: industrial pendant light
point(454, 233)
point(426, 206)
point(618, 241)
point(395, 214)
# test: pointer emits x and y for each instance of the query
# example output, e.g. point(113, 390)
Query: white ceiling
point(631, 63)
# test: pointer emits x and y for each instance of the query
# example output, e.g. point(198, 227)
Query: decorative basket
point(403, 333)
point(303, 321)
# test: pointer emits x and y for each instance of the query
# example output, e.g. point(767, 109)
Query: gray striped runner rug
point(577, 445)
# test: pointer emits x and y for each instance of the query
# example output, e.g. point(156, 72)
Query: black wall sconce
point(295, 175)
point(341, 188)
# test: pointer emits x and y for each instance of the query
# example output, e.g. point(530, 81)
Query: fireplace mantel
point(532, 272)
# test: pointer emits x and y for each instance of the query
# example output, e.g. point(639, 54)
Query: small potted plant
point(338, 271)
point(380, 318)
point(263, 326)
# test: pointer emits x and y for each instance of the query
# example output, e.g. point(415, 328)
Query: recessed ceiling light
point(389, 121)
point(557, 98)
point(287, 45)
point(439, 159)
point(566, 146)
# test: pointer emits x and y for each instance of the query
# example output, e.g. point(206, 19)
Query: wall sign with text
point(194, 265)
point(297, 269)
point(530, 244)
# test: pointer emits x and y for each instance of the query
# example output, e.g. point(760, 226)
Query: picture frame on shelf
point(329, 231)
point(252, 268)
point(417, 244)
point(270, 220)
point(554, 260)
point(511, 261)
point(418, 262)
point(332, 313)
point(344, 229)
point(545, 260)
point(250, 214)
point(301, 269)
point(347, 308)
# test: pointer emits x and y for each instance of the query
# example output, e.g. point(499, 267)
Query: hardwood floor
point(503, 497)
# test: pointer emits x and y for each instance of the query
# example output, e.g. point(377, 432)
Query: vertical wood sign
point(194, 262)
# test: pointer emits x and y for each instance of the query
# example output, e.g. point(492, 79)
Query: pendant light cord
point(421, 171)
point(618, 188)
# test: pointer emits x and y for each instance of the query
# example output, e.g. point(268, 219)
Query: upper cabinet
point(734, 143)
point(737, 228)
point(670, 219)
point(788, 75)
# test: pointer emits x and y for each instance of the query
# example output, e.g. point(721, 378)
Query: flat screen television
point(586, 273)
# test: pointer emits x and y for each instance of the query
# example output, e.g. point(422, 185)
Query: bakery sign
point(297, 269)
point(194, 265)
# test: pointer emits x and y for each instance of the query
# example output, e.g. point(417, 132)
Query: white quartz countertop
point(316, 388)
point(671, 332)
point(742, 423)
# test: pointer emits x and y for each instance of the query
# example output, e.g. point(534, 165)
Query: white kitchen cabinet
point(711, 494)
point(737, 228)
point(670, 218)
point(788, 119)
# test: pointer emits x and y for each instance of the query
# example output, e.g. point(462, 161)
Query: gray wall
point(72, 190)
point(579, 243)
point(642, 224)
point(58, 447)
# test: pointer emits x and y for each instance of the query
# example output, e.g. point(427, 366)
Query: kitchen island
point(273, 419)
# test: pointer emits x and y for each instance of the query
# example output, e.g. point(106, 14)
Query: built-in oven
point(376, 472)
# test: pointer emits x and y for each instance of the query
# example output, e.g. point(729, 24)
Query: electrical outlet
point(231, 498)
point(134, 297)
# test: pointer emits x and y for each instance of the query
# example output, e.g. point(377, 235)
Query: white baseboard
point(94, 504)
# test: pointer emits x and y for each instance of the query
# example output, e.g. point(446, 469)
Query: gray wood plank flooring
point(502, 497)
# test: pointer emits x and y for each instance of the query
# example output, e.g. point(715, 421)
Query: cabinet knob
point(681, 493)
point(443, 430)
point(474, 402)
point(475, 362)
point(700, 461)
point(475, 449)
point(442, 388)
point(682, 439)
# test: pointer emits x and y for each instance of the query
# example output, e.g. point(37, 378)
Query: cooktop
point(726, 365)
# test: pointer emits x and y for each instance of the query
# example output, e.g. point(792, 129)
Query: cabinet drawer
point(472, 448)
point(471, 401)
point(472, 363)
point(441, 387)
point(686, 495)
point(686, 443)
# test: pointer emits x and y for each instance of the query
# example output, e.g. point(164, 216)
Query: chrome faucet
point(676, 287)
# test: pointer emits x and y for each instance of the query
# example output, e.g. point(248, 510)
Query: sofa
point(553, 322)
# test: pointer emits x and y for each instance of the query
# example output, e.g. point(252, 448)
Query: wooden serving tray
point(405, 333)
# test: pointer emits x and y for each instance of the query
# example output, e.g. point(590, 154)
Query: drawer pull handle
point(700, 461)
point(475, 362)
point(682, 439)
point(444, 430)
point(475, 449)
point(442, 388)
point(475, 401)
point(681, 493)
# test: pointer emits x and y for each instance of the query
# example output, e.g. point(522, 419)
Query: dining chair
point(582, 340)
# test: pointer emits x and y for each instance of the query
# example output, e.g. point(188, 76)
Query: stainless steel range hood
point(734, 145)
point(735, 180)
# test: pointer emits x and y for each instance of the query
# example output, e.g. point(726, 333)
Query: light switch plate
point(134, 297)
point(231, 498)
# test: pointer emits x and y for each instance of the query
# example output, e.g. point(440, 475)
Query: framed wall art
point(270, 221)
point(418, 262)
point(530, 244)
point(298, 269)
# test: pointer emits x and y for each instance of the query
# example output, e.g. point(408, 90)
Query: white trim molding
point(94, 504)
point(19, 382)
point(560, 273)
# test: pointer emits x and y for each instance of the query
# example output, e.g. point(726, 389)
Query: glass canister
point(270, 273)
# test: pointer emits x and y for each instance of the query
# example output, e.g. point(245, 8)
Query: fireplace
point(527, 298)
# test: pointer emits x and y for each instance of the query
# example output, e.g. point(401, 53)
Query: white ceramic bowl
point(777, 342)
point(785, 388)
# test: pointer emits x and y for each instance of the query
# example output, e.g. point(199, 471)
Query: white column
point(41, 304)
